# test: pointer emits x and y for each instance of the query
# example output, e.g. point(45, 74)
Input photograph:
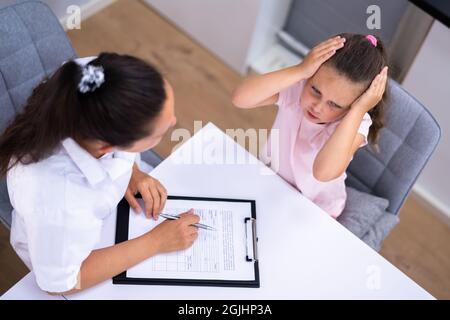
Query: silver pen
point(198, 225)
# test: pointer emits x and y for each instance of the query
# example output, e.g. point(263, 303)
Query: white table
point(304, 253)
point(27, 289)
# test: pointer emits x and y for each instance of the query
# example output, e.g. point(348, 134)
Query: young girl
point(70, 158)
point(329, 106)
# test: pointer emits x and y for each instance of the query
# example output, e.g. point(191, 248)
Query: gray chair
point(32, 46)
point(407, 141)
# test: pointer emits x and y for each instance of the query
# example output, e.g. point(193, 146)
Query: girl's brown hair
point(360, 61)
point(119, 112)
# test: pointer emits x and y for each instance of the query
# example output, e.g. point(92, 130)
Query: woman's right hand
point(173, 235)
point(319, 54)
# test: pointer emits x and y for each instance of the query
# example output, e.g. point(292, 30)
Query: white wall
point(270, 21)
point(429, 81)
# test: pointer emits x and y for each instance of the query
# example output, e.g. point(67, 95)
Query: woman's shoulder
point(50, 166)
point(53, 186)
point(41, 176)
point(35, 186)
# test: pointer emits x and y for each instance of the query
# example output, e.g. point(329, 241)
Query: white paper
point(215, 255)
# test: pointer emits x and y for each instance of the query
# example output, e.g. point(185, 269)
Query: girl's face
point(328, 95)
point(161, 124)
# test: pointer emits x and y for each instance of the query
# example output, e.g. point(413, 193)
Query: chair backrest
point(406, 143)
point(32, 46)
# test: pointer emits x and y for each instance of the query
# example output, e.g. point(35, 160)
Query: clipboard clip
point(252, 253)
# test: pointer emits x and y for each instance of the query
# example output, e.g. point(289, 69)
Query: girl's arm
point(334, 157)
point(103, 264)
point(263, 89)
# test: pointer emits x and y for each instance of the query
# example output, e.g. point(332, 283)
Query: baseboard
point(431, 203)
point(89, 9)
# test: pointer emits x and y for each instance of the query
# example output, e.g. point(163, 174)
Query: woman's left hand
point(373, 95)
point(153, 193)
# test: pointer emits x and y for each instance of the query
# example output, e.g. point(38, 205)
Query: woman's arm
point(103, 264)
point(334, 157)
point(263, 89)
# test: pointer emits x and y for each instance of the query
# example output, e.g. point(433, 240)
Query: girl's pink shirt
point(300, 140)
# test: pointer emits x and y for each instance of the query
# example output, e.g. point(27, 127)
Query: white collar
point(97, 170)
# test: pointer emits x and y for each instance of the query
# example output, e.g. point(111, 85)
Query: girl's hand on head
point(373, 95)
point(319, 54)
point(153, 193)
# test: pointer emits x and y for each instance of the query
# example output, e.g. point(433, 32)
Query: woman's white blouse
point(59, 206)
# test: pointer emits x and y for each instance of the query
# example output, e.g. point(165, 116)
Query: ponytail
point(47, 119)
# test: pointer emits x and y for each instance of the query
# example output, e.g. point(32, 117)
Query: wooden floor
point(419, 245)
point(11, 267)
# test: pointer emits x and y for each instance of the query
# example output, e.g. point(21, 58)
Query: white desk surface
point(304, 253)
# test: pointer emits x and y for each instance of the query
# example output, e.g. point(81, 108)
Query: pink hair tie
point(372, 39)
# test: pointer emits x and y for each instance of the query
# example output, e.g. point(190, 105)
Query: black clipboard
point(122, 227)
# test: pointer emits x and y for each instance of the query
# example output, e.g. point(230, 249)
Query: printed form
point(215, 255)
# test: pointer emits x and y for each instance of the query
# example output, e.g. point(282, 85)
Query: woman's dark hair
point(360, 61)
point(119, 112)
